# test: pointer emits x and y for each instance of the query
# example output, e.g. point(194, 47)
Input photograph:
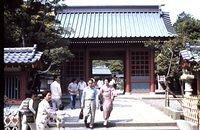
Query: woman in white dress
point(44, 112)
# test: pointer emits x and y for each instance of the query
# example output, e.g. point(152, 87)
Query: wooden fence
point(190, 110)
point(11, 122)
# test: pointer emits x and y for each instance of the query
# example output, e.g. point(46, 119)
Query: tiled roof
point(101, 70)
point(115, 21)
point(191, 53)
point(21, 55)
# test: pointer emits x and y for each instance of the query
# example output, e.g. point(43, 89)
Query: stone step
point(123, 128)
point(120, 124)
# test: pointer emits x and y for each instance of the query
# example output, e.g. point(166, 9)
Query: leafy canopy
point(33, 22)
point(188, 31)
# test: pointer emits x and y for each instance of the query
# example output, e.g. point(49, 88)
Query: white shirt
point(89, 93)
point(81, 85)
point(44, 112)
point(112, 82)
point(100, 83)
point(55, 90)
point(30, 105)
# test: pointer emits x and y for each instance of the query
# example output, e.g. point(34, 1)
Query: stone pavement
point(128, 111)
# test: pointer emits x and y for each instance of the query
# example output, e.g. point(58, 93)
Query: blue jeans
point(73, 101)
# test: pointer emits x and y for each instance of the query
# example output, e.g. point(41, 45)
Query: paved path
point(129, 110)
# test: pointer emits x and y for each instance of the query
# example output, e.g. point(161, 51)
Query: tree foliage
point(33, 22)
point(188, 31)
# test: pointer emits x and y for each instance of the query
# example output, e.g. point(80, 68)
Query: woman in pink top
point(107, 95)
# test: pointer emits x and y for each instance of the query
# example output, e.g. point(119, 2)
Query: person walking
point(34, 102)
point(107, 95)
point(113, 82)
point(27, 112)
point(73, 91)
point(81, 85)
point(56, 93)
point(44, 111)
point(100, 83)
point(89, 103)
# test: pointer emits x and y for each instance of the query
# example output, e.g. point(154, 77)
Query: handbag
point(30, 117)
point(101, 107)
point(81, 114)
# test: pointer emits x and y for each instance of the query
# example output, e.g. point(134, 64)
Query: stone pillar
point(187, 78)
point(160, 88)
point(188, 89)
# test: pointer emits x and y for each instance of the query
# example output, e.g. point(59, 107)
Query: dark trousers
point(73, 101)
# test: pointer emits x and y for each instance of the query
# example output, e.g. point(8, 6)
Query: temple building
point(20, 66)
point(115, 33)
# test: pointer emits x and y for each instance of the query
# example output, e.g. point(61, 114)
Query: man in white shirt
point(56, 93)
point(89, 103)
point(81, 85)
point(100, 83)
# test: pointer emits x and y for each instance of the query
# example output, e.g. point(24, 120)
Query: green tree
point(33, 22)
point(188, 31)
point(167, 54)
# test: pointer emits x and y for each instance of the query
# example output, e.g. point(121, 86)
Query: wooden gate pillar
point(23, 84)
point(127, 72)
point(152, 76)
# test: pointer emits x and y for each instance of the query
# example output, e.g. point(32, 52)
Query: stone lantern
point(187, 77)
point(189, 58)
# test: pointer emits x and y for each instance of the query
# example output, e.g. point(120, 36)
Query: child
point(60, 117)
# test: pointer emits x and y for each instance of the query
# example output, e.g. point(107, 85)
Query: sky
point(174, 7)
